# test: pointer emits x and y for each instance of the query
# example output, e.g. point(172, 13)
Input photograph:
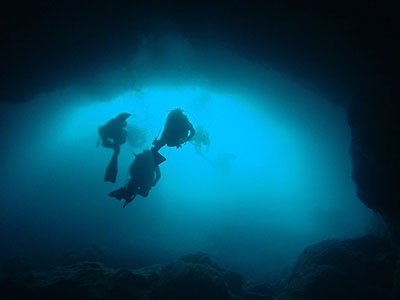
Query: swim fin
point(128, 201)
point(158, 158)
point(118, 194)
point(112, 169)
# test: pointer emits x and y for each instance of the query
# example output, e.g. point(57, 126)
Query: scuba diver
point(200, 139)
point(144, 174)
point(177, 131)
point(113, 135)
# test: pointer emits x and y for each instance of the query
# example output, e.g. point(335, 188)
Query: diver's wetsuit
point(113, 135)
point(177, 131)
point(144, 172)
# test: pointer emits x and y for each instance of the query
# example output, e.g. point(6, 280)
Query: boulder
point(361, 268)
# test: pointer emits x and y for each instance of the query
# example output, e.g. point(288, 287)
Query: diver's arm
point(101, 132)
point(158, 175)
point(192, 132)
point(105, 141)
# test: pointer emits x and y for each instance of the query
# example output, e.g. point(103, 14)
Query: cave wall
point(336, 48)
point(375, 129)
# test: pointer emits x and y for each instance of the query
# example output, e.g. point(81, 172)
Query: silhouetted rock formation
point(16, 268)
point(347, 50)
point(191, 277)
point(360, 268)
point(88, 252)
point(375, 129)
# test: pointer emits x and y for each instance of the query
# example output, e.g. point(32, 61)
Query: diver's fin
point(158, 158)
point(116, 194)
point(112, 169)
point(128, 201)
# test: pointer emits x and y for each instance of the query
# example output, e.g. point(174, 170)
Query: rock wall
point(362, 268)
point(373, 119)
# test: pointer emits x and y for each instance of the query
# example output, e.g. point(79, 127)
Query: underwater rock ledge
point(192, 276)
point(374, 150)
point(362, 268)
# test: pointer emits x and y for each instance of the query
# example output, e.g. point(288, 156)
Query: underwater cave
point(288, 190)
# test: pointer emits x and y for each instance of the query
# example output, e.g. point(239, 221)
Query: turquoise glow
point(276, 178)
point(259, 144)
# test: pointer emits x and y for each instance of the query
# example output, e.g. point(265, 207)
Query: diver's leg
point(158, 144)
point(112, 168)
point(131, 188)
point(117, 148)
point(143, 191)
point(107, 144)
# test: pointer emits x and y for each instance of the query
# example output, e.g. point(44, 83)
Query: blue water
point(276, 177)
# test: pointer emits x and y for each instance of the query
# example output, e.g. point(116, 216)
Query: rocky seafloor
point(361, 268)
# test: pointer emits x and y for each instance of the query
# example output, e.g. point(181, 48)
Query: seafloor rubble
point(362, 268)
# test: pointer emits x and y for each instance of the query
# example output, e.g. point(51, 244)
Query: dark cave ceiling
point(335, 47)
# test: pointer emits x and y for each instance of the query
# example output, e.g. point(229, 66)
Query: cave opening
point(297, 108)
point(275, 178)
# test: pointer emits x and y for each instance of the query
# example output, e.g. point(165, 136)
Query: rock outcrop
point(191, 277)
point(373, 120)
point(360, 268)
point(351, 269)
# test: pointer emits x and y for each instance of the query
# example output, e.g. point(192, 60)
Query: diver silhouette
point(200, 139)
point(144, 174)
point(177, 131)
point(113, 135)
